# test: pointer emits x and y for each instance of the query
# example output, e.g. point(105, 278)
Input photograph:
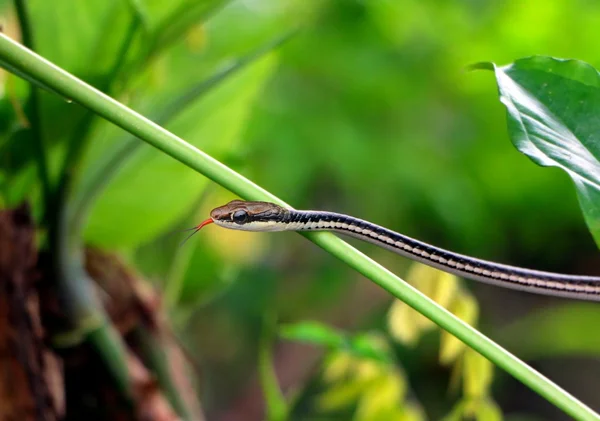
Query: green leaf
point(552, 107)
point(54, 24)
point(478, 374)
point(315, 333)
point(368, 345)
point(90, 54)
point(364, 345)
point(380, 400)
point(107, 164)
point(131, 200)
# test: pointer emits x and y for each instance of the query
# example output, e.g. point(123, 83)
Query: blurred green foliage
point(368, 110)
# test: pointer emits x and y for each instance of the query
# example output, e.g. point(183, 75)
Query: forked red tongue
point(196, 229)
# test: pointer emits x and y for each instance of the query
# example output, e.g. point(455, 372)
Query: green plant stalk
point(107, 341)
point(276, 406)
point(35, 118)
point(74, 89)
point(155, 357)
point(181, 259)
point(138, 8)
point(83, 308)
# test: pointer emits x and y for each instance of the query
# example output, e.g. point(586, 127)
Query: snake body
point(264, 216)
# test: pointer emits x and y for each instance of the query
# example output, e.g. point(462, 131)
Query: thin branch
point(34, 110)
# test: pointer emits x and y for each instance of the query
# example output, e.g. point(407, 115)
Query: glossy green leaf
point(552, 107)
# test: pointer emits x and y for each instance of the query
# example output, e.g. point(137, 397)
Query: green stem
point(107, 341)
point(277, 407)
point(155, 357)
point(180, 260)
point(34, 112)
point(84, 309)
point(119, 66)
point(79, 300)
point(73, 88)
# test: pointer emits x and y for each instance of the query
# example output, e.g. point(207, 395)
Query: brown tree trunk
point(31, 381)
point(47, 371)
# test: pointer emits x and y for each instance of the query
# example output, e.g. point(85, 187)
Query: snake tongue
point(208, 221)
point(196, 229)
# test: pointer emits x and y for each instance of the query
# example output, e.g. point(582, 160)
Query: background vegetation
point(366, 110)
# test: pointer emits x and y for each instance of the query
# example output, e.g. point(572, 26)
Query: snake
point(269, 217)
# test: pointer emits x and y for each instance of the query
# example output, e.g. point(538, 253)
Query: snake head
point(250, 216)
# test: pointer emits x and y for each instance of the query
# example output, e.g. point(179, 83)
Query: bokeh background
point(365, 108)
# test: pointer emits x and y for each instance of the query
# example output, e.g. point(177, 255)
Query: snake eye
point(239, 217)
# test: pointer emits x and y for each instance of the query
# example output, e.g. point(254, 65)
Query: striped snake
point(264, 216)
